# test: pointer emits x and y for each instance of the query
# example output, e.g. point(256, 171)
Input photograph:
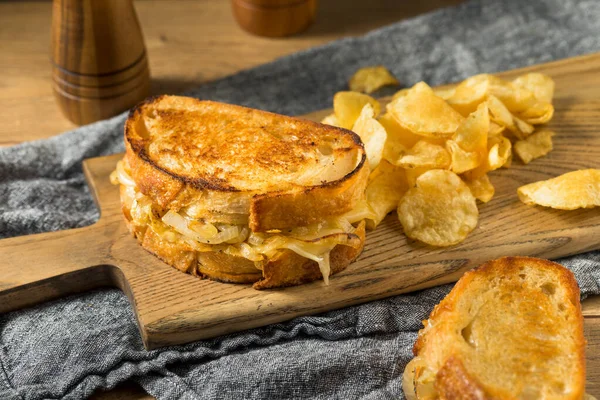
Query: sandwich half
point(241, 195)
point(510, 329)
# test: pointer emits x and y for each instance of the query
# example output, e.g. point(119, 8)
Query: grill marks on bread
point(239, 149)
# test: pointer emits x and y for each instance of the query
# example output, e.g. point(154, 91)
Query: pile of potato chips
point(431, 150)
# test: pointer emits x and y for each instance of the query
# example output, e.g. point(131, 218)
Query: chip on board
point(576, 189)
point(370, 79)
point(423, 113)
point(372, 134)
point(425, 154)
point(440, 210)
point(537, 145)
point(347, 107)
point(482, 188)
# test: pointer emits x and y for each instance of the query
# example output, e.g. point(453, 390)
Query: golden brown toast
point(510, 329)
point(239, 164)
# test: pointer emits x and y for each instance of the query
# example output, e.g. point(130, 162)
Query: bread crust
point(178, 255)
point(291, 209)
point(542, 297)
point(227, 268)
point(281, 206)
point(453, 382)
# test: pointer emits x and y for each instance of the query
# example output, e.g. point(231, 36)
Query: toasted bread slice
point(510, 329)
point(238, 165)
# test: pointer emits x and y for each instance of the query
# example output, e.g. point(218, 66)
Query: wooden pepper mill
point(274, 18)
point(99, 64)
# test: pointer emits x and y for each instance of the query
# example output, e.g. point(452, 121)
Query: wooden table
point(188, 42)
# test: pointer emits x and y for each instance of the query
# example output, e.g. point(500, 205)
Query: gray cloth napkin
point(71, 347)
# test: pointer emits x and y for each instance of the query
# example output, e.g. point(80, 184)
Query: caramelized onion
point(314, 242)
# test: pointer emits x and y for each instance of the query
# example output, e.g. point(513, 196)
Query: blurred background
point(188, 42)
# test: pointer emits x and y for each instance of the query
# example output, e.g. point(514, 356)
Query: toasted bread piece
point(228, 161)
point(510, 329)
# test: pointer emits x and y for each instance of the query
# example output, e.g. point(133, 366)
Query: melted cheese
point(314, 242)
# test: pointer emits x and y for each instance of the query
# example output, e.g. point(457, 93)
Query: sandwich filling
point(314, 242)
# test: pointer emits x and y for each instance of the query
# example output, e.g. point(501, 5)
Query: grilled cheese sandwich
point(241, 195)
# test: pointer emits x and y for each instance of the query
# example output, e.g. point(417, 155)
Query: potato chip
point(330, 120)
point(444, 93)
point(499, 155)
point(495, 130)
point(347, 107)
point(413, 174)
point(481, 187)
point(469, 94)
point(425, 154)
point(537, 145)
point(576, 189)
point(514, 97)
point(369, 79)
point(462, 160)
point(472, 134)
point(400, 93)
point(542, 86)
point(424, 113)
point(468, 146)
point(521, 129)
point(399, 139)
point(500, 114)
point(527, 107)
point(385, 191)
point(528, 97)
point(508, 162)
point(476, 89)
point(440, 210)
point(372, 133)
point(539, 113)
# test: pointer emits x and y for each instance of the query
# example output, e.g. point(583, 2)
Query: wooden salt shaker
point(99, 64)
point(274, 18)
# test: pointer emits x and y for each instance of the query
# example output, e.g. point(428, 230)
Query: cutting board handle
point(41, 267)
point(45, 266)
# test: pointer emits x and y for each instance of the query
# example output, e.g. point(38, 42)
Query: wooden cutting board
point(174, 308)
